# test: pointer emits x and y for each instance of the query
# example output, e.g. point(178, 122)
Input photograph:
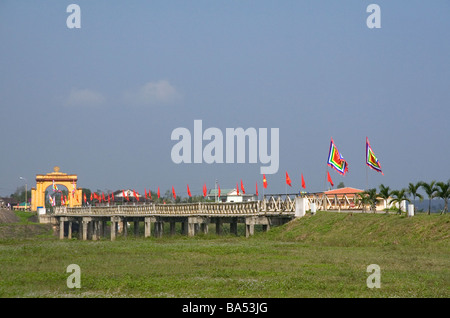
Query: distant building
point(230, 195)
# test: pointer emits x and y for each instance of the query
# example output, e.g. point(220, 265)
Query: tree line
point(432, 189)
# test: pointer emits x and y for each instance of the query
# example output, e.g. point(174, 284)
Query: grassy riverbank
point(325, 255)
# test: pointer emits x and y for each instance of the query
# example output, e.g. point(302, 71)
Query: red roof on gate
point(346, 190)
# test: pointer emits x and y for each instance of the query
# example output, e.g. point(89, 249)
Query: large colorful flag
point(288, 180)
point(336, 161)
point(371, 159)
point(51, 200)
point(242, 187)
point(303, 182)
point(329, 178)
point(55, 188)
point(264, 181)
point(189, 191)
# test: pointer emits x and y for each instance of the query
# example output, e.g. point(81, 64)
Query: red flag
point(145, 192)
point(109, 198)
point(112, 196)
point(237, 189)
point(158, 193)
point(303, 182)
point(329, 178)
point(242, 187)
point(264, 181)
point(219, 192)
point(257, 189)
point(288, 180)
point(91, 196)
point(173, 192)
point(135, 195)
point(205, 190)
point(84, 197)
point(125, 195)
point(189, 191)
point(103, 196)
point(150, 194)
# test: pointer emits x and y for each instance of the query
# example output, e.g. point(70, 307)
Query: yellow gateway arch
point(44, 181)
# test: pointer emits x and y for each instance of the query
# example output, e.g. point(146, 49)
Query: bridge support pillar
point(191, 229)
point(136, 227)
point(219, 226)
point(204, 228)
point(69, 230)
point(159, 228)
point(147, 227)
point(94, 230)
point(125, 227)
point(233, 227)
point(61, 228)
point(85, 224)
point(249, 226)
point(172, 227)
point(113, 228)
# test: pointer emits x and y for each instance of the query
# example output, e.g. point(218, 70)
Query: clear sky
point(102, 101)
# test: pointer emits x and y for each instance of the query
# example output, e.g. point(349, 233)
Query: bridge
point(94, 222)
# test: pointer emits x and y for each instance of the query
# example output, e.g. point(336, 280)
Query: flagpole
point(367, 178)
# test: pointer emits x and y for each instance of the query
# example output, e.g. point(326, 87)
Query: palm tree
point(444, 193)
point(385, 193)
point(369, 197)
point(413, 190)
point(400, 196)
point(430, 189)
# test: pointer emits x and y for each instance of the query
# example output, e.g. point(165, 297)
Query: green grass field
point(325, 255)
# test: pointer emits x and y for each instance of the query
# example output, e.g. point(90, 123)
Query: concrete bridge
point(94, 222)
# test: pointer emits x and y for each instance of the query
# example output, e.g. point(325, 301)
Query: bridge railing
point(201, 208)
point(270, 204)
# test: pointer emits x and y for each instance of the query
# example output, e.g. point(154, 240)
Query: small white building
point(230, 195)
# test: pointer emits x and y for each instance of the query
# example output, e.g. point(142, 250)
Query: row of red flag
point(148, 194)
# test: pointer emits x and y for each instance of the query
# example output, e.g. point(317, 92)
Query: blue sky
point(102, 101)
